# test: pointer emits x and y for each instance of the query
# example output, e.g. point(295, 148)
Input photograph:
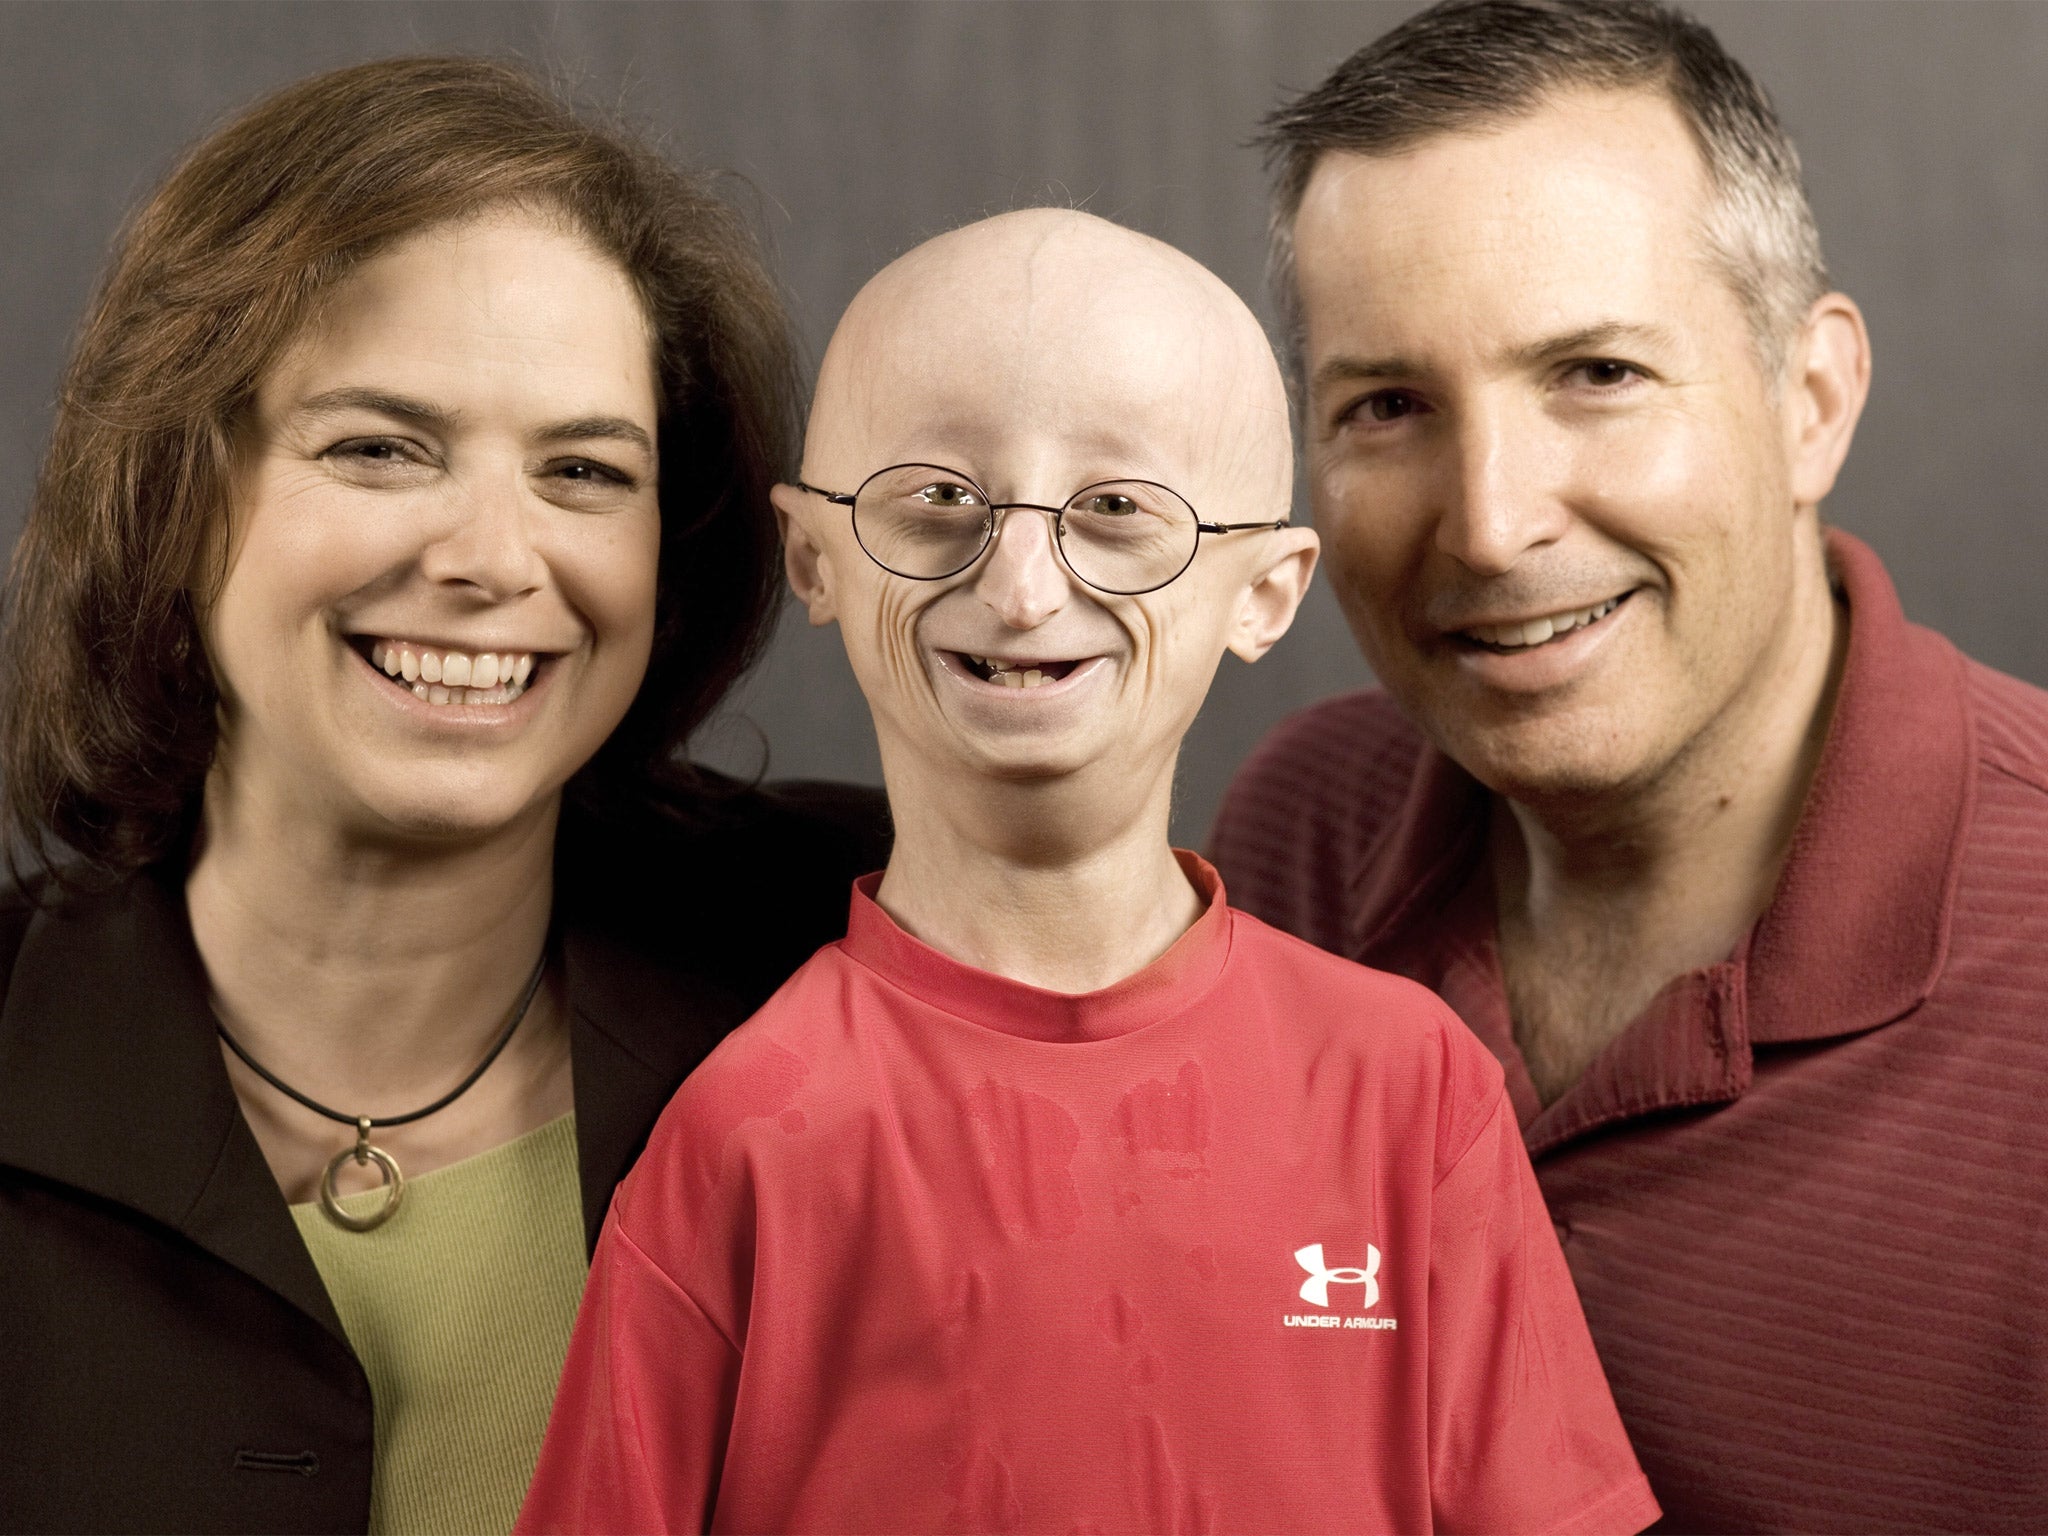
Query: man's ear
point(807, 565)
point(1276, 589)
point(1827, 380)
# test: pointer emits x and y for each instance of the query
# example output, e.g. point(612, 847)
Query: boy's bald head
point(1021, 361)
point(1060, 321)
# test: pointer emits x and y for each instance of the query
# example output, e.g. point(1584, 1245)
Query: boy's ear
point(807, 565)
point(1279, 583)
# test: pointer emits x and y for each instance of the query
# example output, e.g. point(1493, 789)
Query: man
point(1739, 875)
point(1057, 1196)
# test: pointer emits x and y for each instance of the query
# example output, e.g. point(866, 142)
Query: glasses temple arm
point(837, 498)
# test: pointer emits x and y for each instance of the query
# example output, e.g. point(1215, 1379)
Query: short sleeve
point(644, 1410)
point(1523, 1433)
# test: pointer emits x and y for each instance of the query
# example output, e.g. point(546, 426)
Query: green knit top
point(459, 1308)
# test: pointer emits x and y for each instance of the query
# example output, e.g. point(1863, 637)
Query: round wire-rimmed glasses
point(926, 522)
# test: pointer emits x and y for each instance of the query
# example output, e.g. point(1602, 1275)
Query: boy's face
point(1036, 356)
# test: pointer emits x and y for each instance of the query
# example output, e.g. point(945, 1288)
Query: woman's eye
point(391, 463)
point(948, 495)
point(371, 450)
point(584, 472)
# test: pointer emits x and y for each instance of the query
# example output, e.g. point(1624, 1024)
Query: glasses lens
point(1128, 535)
point(921, 520)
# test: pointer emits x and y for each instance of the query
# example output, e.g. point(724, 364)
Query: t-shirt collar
point(1169, 986)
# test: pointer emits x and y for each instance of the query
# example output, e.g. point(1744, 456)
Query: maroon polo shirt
point(1802, 1193)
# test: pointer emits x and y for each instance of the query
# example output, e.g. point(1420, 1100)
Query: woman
point(406, 508)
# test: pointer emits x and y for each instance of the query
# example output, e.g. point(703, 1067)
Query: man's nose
point(1021, 578)
point(1500, 490)
point(484, 538)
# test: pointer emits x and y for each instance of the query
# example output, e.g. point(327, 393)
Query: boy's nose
point(1022, 578)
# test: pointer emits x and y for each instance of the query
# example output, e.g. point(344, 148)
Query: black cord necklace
point(363, 1152)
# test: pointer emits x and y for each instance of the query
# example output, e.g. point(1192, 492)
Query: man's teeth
point(1536, 631)
point(999, 672)
point(452, 677)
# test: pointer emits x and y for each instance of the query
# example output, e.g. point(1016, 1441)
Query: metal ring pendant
point(394, 1184)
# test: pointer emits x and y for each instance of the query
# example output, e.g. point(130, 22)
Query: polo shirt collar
point(1854, 937)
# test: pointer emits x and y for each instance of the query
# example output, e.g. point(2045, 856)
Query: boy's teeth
point(1536, 631)
point(1008, 676)
point(452, 677)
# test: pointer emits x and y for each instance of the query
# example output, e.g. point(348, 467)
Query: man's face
point(1555, 477)
point(1035, 373)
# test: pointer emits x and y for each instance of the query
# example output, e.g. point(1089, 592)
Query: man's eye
point(1604, 373)
point(948, 495)
point(1385, 405)
point(1110, 505)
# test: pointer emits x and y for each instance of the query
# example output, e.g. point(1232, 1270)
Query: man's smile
point(1515, 635)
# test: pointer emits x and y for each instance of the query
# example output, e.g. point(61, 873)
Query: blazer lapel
point(111, 1082)
point(637, 1028)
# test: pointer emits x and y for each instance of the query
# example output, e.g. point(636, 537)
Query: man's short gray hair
point(1465, 63)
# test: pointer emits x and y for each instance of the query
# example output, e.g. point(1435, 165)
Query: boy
point(1058, 1196)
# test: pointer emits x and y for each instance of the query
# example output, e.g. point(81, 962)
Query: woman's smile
point(442, 675)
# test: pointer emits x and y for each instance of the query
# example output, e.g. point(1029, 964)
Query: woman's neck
point(373, 975)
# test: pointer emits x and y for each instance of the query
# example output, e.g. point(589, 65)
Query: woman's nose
point(486, 541)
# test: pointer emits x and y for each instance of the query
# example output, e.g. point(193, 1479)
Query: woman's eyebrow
point(355, 397)
point(419, 412)
point(584, 428)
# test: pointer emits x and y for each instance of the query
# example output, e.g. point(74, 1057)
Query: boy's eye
point(1109, 504)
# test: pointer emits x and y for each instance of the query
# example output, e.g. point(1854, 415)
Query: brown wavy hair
point(107, 702)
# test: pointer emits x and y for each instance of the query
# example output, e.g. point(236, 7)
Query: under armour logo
point(1316, 1288)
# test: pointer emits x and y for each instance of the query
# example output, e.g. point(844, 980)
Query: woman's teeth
point(452, 677)
point(1512, 637)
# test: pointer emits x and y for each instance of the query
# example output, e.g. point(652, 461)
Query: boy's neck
point(1039, 881)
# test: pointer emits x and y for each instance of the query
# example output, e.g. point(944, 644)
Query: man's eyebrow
point(1354, 370)
point(404, 408)
point(1605, 335)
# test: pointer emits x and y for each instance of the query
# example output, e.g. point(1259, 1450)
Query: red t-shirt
point(1247, 1242)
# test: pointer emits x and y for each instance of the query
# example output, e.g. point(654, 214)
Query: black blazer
point(169, 1360)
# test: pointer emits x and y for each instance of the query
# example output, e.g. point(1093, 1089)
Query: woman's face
point(444, 536)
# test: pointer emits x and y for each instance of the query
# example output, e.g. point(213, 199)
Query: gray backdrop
point(863, 128)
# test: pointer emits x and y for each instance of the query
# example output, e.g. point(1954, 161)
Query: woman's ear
point(1274, 594)
point(807, 565)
